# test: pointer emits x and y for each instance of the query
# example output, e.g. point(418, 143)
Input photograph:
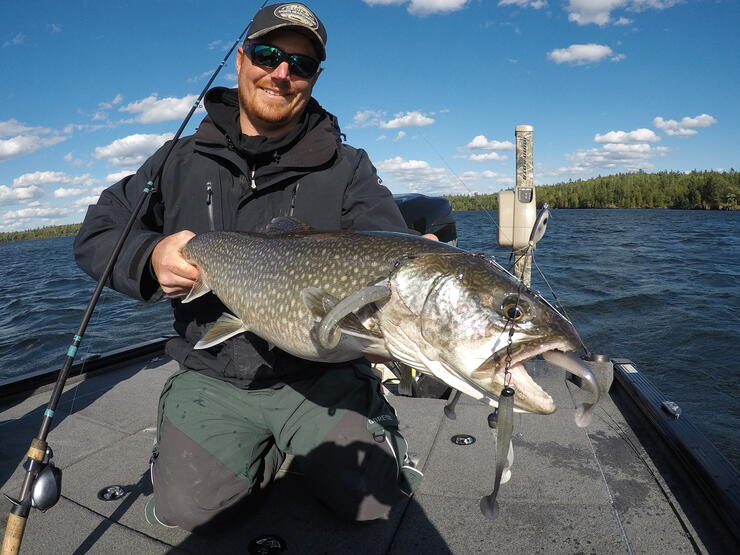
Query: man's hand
point(175, 275)
point(431, 236)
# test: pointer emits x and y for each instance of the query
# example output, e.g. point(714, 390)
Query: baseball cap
point(289, 14)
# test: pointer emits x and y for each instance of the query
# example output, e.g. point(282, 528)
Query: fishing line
point(559, 305)
point(85, 351)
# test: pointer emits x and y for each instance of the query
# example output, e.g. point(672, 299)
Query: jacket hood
point(317, 130)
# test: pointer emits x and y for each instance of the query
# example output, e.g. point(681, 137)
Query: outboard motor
point(428, 215)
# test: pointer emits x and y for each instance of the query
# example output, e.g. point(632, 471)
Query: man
point(232, 412)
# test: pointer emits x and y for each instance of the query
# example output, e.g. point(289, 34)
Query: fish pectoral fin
point(318, 302)
point(199, 289)
point(225, 327)
point(337, 316)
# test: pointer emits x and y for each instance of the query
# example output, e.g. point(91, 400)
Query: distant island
point(697, 190)
point(705, 190)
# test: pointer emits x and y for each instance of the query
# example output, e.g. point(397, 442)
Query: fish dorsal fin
point(199, 289)
point(320, 304)
point(285, 224)
point(225, 327)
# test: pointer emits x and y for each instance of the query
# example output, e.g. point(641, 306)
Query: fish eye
point(512, 311)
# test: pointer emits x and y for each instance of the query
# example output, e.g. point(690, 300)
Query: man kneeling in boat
point(228, 418)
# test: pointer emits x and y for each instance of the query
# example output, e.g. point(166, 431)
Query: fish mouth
point(529, 396)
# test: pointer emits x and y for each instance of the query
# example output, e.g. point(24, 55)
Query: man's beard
point(262, 111)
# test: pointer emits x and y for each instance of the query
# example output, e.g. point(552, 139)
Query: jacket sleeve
point(369, 205)
point(104, 224)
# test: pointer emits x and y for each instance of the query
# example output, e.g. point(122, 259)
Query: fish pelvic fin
point(225, 327)
point(199, 289)
point(337, 317)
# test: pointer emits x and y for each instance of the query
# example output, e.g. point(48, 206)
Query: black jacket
point(219, 179)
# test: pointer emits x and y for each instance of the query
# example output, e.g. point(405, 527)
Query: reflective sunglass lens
point(271, 57)
point(303, 66)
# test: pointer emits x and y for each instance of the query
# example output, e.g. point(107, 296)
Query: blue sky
point(432, 89)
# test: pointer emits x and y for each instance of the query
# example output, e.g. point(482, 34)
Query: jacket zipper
point(292, 198)
point(209, 204)
point(253, 184)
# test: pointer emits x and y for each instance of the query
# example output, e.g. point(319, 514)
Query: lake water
point(659, 287)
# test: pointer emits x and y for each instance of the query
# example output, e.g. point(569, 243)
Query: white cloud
point(12, 195)
point(132, 150)
point(19, 139)
point(641, 135)
point(63, 193)
point(44, 213)
point(18, 38)
point(581, 54)
point(480, 142)
point(598, 12)
point(152, 109)
point(485, 157)
point(687, 126)
point(400, 135)
point(367, 118)
point(107, 105)
point(25, 144)
point(200, 78)
point(536, 4)
point(69, 157)
point(117, 176)
point(422, 7)
point(52, 178)
point(54, 27)
point(13, 127)
point(617, 156)
point(420, 176)
point(87, 201)
point(417, 176)
point(409, 119)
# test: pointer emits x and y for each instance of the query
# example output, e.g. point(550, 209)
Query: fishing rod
point(42, 483)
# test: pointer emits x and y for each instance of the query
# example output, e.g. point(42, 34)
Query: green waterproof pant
point(219, 446)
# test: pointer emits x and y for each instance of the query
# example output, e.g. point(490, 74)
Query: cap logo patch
point(297, 13)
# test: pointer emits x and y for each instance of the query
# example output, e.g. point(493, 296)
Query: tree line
point(40, 233)
point(697, 190)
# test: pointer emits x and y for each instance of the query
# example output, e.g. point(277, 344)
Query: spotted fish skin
point(447, 312)
point(260, 277)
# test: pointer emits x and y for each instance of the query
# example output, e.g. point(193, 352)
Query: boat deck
point(593, 490)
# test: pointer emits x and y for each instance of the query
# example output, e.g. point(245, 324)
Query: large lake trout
point(335, 296)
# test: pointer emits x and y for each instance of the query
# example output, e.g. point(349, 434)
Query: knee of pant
point(358, 482)
point(199, 520)
point(182, 515)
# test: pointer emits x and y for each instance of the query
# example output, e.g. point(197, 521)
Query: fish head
point(482, 323)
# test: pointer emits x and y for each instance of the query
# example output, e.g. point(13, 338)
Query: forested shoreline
point(706, 190)
point(40, 233)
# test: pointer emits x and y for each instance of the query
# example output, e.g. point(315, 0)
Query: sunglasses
point(271, 57)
